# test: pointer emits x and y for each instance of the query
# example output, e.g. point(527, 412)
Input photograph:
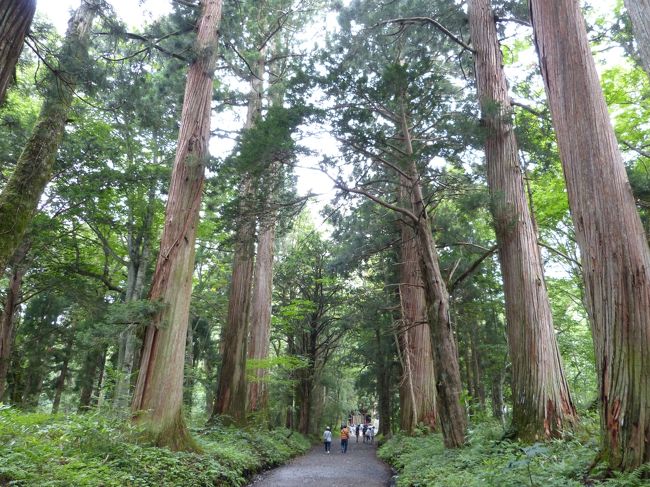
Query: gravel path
point(358, 467)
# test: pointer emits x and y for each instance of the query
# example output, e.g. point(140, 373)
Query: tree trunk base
point(173, 435)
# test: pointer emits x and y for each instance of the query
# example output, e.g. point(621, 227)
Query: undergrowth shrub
point(489, 460)
point(91, 450)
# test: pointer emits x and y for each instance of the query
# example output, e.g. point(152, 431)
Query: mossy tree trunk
point(542, 405)
point(15, 19)
point(21, 194)
point(613, 246)
point(158, 397)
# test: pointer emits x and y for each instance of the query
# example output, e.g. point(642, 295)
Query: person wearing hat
point(327, 438)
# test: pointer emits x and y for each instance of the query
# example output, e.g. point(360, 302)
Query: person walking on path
point(345, 434)
point(372, 434)
point(327, 438)
point(356, 432)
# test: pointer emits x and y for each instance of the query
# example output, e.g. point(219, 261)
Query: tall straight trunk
point(158, 396)
point(613, 248)
point(383, 383)
point(63, 373)
point(479, 390)
point(15, 19)
point(21, 194)
point(87, 378)
point(418, 384)
point(639, 12)
point(542, 405)
point(232, 389)
point(451, 414)
point(139, 248)
point(260, 332)
point(188, 386)
point(8, 318)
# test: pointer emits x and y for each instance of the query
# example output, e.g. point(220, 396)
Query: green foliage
point(490, 460)
point(92, 450)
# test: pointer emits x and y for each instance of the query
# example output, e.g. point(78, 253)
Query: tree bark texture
point(230, 398)
point(232, 389)
point(613, 247)
point(418, 383)
point(451, 413)
point(21, 194)
point(15, 19)
point(639, 12)
point(260, 332)
point(8, 318)
point(542, 405)
point(158, 396)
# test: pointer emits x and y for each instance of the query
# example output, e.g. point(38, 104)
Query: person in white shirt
point(327, 438)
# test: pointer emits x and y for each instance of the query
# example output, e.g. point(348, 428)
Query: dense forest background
point(278, 215)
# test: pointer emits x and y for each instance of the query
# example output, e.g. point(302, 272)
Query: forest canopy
point(268, 216)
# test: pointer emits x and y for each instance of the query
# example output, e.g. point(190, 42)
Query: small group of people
point(368, 433)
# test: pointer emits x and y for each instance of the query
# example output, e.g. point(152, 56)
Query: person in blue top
point(327, 438)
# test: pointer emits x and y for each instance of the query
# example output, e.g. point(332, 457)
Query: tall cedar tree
point(158, 394)
point(639, 12)
point(613, 245)
point(417, 390)
point(231, 395)
point(15, 21)
point(21, 194)
point(542, 403)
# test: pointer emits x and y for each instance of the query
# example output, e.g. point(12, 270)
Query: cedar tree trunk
point(613, 246)
point(639, 12)
point(21, 194)
point(418, 383)
point(15, 18)
point(542, 404)
point(230, 398)
point(8, 318)
point(451, 414)
point(158, 397)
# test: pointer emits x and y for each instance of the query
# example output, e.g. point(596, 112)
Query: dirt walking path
point(359, 466)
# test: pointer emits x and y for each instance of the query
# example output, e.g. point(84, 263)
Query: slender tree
point(158, 395)
point(613, 246)
point(639, 12)
point(21, 194)
point(15, 21)
point(542, 404)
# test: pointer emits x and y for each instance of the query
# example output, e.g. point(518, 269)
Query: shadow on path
point(358, 467)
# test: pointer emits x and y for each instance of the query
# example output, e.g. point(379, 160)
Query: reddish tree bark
point(8, 317)
point(613, 246)
point(418, 384)
point(15, 19)
point(542, 404)
point(231, 395)
point(639, 12)
point(158, 396)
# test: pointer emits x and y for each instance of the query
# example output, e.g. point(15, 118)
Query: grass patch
point(488, 460)
point(91, 450)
